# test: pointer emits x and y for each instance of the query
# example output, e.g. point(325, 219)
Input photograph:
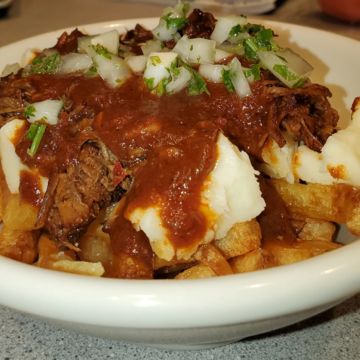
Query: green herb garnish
point(149, 82)
point(155, 60)
point(174, 22)
point(285, 73)
point(35, 133)
point(102, 50)
point(197, 84)
point(29, 111)
point(226, 75)
point(235, 30)
point(45, 64)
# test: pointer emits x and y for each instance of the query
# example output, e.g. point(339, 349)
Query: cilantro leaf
point(45, 64)
point(174, 22)
point(29, 111)
point(226, 76)
point(102, 50)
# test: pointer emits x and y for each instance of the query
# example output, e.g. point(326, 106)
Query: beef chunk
point(304, 112)
point(133, 38)
point(200, 24)
point(68, 43)
point(81, 192)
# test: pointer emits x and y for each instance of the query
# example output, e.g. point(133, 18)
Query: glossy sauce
point(167, 143)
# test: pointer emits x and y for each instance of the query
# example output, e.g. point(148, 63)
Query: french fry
point(199, 271)
point(325, 202)
point(211, 256)
point(51, 257)
point(18, 245)
point(254, 260)
point(317, 230)
point(242, 238)
point(19, 215)
point(284, 253)
point(95, 243)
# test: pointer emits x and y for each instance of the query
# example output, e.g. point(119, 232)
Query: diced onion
point(46, 111)
point(196, 51)
point(238, 78)
point(151, 46)
point(162, 32)
point(114, 70)
point(221, 55)
point(73, 62)
point(84, 43)
point(295, 62)
point(109, 40)
point(273, 63)
point(224, 25)
point(158, 65)
point(137, 63)
point(212, 72)
point(180, 82)
point(10, 69)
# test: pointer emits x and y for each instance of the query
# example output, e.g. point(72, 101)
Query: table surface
point(331, 335)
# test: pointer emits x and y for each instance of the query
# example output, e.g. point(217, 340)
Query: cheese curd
point(230, 194)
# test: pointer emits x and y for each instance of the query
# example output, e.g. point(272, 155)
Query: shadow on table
point(346, 308)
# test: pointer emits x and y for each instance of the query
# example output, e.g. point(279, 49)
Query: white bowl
point(198, 313)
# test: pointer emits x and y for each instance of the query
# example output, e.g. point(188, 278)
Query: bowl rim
point(231, 299)
point(326, 278)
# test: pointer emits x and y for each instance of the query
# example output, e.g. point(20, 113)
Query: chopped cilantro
point(285, 73)
point(149, 83)
point(92, 71)
point(226, 76)
point(235, 30)
point(250, 48)
point(155, 60)
point(29, 111)
point(45, 64)
point(102, 50)
point(32, 131)
point(197, 84)
point(37, 135)
point(253, 74)
point(161, 87)
point(174, 22)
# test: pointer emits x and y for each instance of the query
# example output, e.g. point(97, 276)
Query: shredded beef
point(200, 24)
point(133, 38)
point(81, 192)
point(304, 112)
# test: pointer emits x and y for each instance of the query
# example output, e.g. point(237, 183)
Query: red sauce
point(30, 188)
point(175, 135)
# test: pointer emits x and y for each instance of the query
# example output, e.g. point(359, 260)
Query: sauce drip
point(167, 142)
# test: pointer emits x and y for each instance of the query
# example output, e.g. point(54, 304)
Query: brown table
point(32, 17)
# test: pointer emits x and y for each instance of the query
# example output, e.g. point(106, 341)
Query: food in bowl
point(197, 149)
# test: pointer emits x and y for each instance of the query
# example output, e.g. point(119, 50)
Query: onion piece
point(47, 111)
point(73, 62)
point(221, 55)
point(10, 69)
point(295, 62)
point(281, 69)
point(163, 32)
point(158, 67)
point(113, 70)
point(196, 51)
point(136, 63)
point(238, 78)
point(151, 46)
point(236, 49)
point(224, 25)
point(109, 40)
point(84, 43)
point(212, 72)
point(180, 81)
